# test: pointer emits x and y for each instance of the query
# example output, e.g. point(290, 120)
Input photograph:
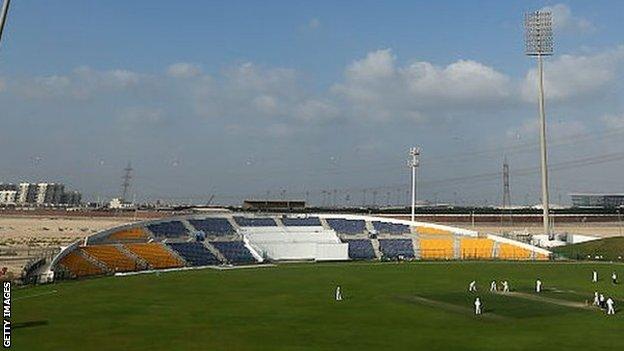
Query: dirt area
point(25, 237)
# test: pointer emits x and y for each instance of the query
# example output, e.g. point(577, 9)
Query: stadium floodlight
point(539, 43)
point(414, 163)
point(3, 16)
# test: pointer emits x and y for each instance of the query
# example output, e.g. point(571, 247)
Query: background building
point(597, 200)
point(38, 194)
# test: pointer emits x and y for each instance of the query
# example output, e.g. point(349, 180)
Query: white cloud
point(377, 88)
point(564, 20)
point(529, 130)
point(184, 70)
point(570, 76)
point(614, 121)
point(314, 23)
point(140, 115)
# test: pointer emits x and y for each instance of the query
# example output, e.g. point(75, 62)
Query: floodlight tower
point(3, 15)
point(539, 43)
point(414, 163)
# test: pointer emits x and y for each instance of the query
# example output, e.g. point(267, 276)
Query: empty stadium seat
point(79, 266)
point(112, 257)
point(155, 254)
point(475, 248)
point(213, 226)
point(254, 221)
point(436, 249)
point(361, 249)
point(196, 254)
point(234, 251)
point(173, 229)
point(390, 228)
point(433, 231)
point(393, 248)
point(301, 222)
point(130, 234)
point(347, 226)
point(512, 252)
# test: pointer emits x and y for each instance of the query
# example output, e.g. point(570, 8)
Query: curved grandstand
point(244, 239)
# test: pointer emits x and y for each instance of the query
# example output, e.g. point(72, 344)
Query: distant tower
point(125, 185)
point(506, 195)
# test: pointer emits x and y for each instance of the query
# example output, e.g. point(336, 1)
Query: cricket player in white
point(596, 299)
point(338, 294)
point(594, 277)
point(538, 286)
point(610, 309)
point(614, 278)
point(477, 304)
point(493, 287)
point(505, 286)
point(472, 286)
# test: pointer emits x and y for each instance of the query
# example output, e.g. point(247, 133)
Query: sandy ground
point(22, 238)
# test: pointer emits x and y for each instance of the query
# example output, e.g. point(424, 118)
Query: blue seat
point(213, 226)
point(173, 229)
point(361, 249)
point(234, 251)
point(196, 254)
point(254, 221)
point(347, 226)
point(393, 248)
point(390, 228)
point(301, 222)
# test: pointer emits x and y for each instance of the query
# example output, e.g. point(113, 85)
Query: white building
point(8, 197)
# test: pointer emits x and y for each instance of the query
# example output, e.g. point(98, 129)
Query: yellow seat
point(475, 248)
point(111, 257)
point(79, 266)
point(155, 254)
point(513, 252)
point(432, 231)
point(436, 249)
point(136, 233)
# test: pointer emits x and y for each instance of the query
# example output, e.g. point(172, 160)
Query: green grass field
point(416, 306)
point(610, 249)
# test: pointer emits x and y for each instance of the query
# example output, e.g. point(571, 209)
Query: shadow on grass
point(29, 324)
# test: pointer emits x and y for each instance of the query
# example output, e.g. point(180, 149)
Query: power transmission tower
point(506, 195)
point(125, 185)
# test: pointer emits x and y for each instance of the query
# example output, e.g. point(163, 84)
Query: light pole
point(3, 15)
point(539, 43)
point(414, 163)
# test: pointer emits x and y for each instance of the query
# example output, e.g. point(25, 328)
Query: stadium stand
point(173, 229)
point(234, 251)
point(347, 226)
point(79, 266)
point(361, 249)
point(196, 254)
point(155, 254)
point(512, 252)
point(433, 231)
point(475, 248)
point(112, 257)
point(393, 248)
point(390, 228)
point(436, 249)
point(213, 226)
point(255, 221)
point(131, 234)
point(301, 222)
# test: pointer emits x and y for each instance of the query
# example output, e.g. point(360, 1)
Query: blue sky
point(241, 98)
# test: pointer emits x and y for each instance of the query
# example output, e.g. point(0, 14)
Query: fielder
point(505, 286)
point(472, 287)
point(601, 301)
point(493, 287)
point(594, 277)
point(596, 299)
point(338, 294)
point(538, 286)
point(477, 304)
point(610, 309)
point(614, 278)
